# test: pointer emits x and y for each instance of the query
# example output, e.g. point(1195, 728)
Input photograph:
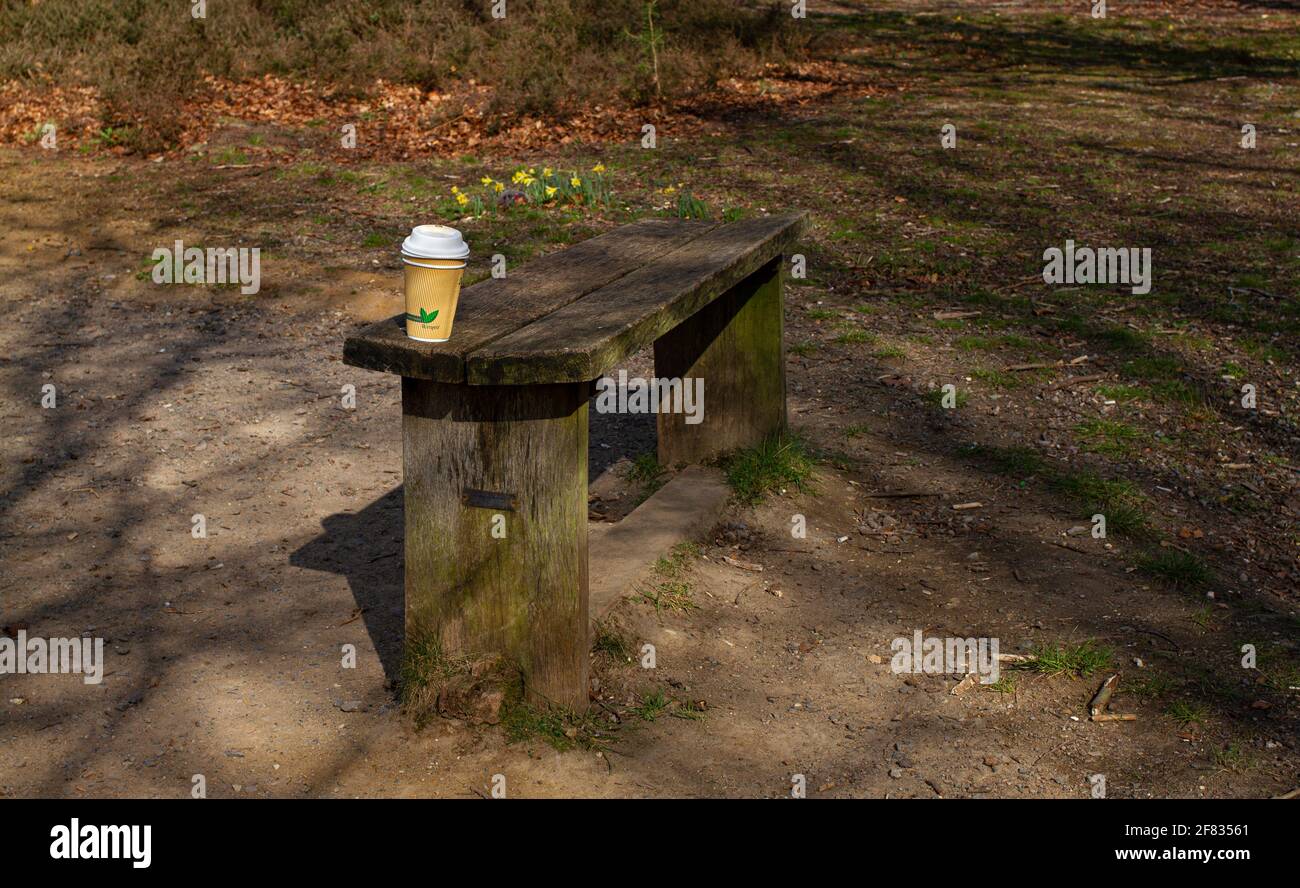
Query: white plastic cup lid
point(435, 242)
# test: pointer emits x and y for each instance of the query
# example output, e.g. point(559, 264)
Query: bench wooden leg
point(736, 345)
point(522, 594)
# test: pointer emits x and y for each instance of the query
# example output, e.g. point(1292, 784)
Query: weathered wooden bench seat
point(494, 421)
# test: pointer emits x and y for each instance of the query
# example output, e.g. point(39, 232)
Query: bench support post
point(496, 528)
point(736, 345)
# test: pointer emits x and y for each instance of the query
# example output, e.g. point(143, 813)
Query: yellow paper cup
point(432, 291)
point(433, 261)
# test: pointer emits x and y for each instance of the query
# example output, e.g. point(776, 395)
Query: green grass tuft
point(562, 729)
point(779, 462)
point(612, 643)
point(1187, 714)
point(647, 474)
point(1181, 570)
point(1075, 660)
point(1107, 436)
point(1121, 502)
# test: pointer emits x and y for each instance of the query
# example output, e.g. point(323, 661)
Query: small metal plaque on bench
point(487, 499)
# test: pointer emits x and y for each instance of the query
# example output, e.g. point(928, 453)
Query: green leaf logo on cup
point(433, 261)
point(424, 317)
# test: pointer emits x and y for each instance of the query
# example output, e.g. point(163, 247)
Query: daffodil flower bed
point(546, 187)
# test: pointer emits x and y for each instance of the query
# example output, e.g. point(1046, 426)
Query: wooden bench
point(494, 421)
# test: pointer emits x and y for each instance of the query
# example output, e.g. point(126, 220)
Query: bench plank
point(497, 307)
point(588, 336)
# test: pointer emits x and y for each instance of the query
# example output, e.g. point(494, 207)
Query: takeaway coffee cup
point(433, 260)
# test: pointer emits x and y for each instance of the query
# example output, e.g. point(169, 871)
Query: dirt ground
point(224, 653)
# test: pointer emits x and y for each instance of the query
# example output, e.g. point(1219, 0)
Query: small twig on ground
point(1101, 699)
point(1075, 380)
point(743, 565)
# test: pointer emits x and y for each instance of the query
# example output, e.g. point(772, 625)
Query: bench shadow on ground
point(366, 547)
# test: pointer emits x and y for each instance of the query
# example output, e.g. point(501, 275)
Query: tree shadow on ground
point(367, 548)
point(1055, 43)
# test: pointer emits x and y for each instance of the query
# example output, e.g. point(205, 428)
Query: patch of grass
point(691, 207)
point(1121, 393)
point(423, 670)
point(975, 343)
point(669, 591)
point(935, 398)
point(1233, 757)
point(1186, 714)
point(656, 703)
point(1006, 683)
point(1193, 342)
point(652, 706)
point(802, 349)
point(646, 473)
point(1176, 568)
point(612, 643)
point(856, 430)
point(852, 337)
point(821, 314)
point(672, 596)
point(997, 378)
point(376, 239)
point(1203, 617)
point(562, 729)
point(1075, 660)
point(1261, 350)
point(889, 351)
point(1121, 502)
point(1279, 666)
point(1175, 391)
point(685, 709)
point(675, 563)
point(230, 156)
point(1107, 436)
point(1152, 368)
point(426, 670)
point(780, 462)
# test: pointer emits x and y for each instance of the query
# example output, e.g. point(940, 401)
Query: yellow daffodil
point(546, 172)
point(550, 190)
point(575, 182)
point(455, 190)
point(498, 187)
point(669, 190)
point(461, 199)
point(486, 180)
point(598, 168)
